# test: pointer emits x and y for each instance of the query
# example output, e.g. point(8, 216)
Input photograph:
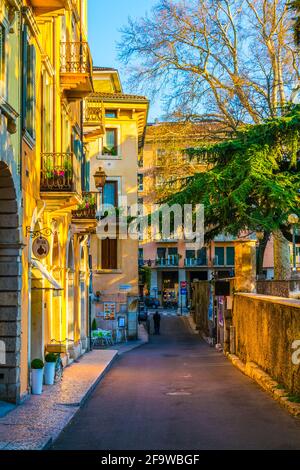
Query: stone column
point(245, 265)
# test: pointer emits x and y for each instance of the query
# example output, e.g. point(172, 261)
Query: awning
point(45, 273)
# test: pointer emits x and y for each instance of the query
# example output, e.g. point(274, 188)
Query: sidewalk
point(37, 422)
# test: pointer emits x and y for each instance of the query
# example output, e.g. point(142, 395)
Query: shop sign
point(109, 310)
point(40, 248)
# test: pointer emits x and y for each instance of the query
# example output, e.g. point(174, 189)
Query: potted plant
point(50, 362)
point(37, 372)
point(94, 325)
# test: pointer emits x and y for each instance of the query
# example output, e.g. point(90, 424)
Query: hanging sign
point(40, 247)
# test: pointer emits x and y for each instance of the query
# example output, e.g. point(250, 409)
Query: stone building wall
point(266, 328)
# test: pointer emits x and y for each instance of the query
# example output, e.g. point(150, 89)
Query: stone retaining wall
point(277, 288)
point(265, 329)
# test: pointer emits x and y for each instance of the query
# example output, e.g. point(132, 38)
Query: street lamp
point(293, 219)
point(100, 179)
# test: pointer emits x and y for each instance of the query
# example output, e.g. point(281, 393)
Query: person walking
point(156, 320)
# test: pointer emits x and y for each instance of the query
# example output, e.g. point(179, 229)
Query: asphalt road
point(177, 393)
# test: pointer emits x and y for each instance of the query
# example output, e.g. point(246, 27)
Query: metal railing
point(88, 208)
point(93, 112)
point(75, 57)
point(57, 172)
point(171, 260)
point(191, 262)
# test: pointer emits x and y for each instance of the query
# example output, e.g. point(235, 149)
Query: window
point(109, 253)
point(47, 121)
point(202, 256)
point(190, 254)
point(2, 62)
point(172, 251)
point(110, 193)
point(29, 85)
point(140, 182)
point(110, 113)
point(141, 253)
point(111, 147)
point(161, 252)
point(230, 255)
point(140, 201)
point(220, 255)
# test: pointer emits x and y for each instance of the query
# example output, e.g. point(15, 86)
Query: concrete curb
point(79, 405)
point(253, 371)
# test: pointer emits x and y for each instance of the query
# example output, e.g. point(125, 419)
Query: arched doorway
point(56, 317)
point(70, 288)
point(10, 286)
point(37, 318)
point(83, 299)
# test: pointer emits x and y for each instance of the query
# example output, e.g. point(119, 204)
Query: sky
point(105, 19)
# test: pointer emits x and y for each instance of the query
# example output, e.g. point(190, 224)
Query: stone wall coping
point(271, 298)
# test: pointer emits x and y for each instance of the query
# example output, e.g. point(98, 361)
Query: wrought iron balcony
point(87, 209)
point(94, 113)
point(76, 69)
point(172, 260)
point(94, 119)
point(195, 262)
point(57, 172)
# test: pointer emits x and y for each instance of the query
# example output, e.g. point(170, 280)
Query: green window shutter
point(32, 90)
point(220, 255)
point(230, 256)
point(2, 56)
point(202, 255)
point(25, 76)
point(87, 175)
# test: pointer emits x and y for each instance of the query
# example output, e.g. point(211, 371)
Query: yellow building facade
point(115, 146)
point(11, 242)
point(46, 301)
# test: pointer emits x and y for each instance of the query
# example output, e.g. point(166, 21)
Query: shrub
point(51, 357)
point(94, 325)
point(37, 364)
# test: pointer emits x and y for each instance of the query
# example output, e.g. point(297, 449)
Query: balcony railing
point(93, 112)
point(76, 69)
point(57, 172)
point(219, 262)
point(88, 209)
point(171, 260)
point(75, 57)
point(194, 262)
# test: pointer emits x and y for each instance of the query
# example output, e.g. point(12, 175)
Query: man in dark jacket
point(156, 320)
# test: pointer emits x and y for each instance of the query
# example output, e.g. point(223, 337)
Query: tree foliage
point(254, 181)
point(231, 61)
point(295, 6)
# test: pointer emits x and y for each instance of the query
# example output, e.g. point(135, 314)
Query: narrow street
point(177, 393)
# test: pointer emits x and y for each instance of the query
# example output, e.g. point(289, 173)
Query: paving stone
point(40, 419)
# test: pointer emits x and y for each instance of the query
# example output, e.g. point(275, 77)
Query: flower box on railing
point(57, 172)
point(88, 213)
